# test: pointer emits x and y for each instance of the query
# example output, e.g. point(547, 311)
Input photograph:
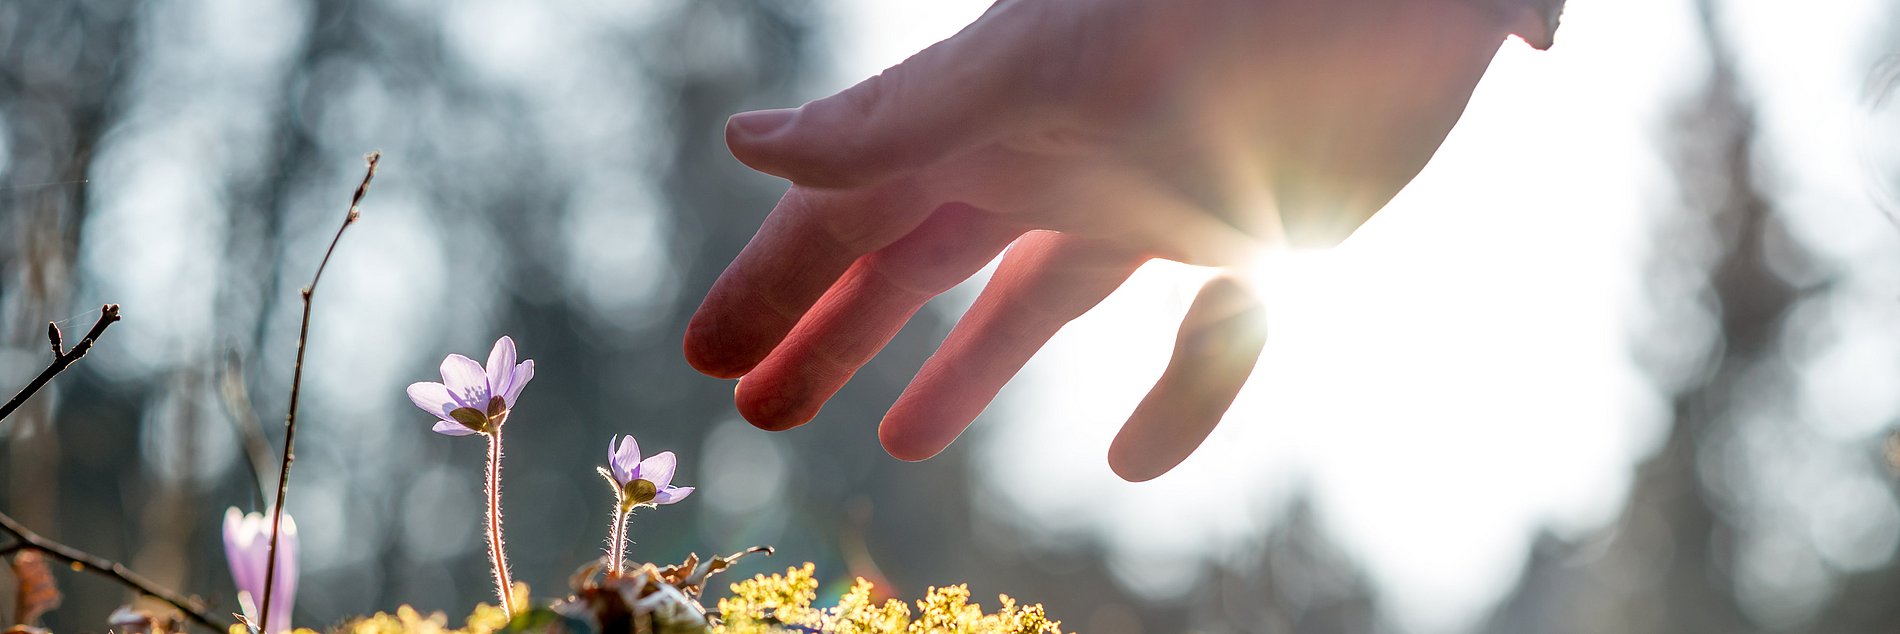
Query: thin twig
point(296, 384)
point(79, 559)
point(62, 358)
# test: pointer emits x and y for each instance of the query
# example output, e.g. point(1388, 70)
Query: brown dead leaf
point(38, 594)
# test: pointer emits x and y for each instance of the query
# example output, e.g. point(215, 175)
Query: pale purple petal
point(247, 548)
point(670, 495)
point(284, 588)
point(613, 458)
point(521, 375)
point(465, 381)
point(451, 428)
point(433, 398)
point(237, 552)
point(501, 360)
point(625, 460)
point(659, 469)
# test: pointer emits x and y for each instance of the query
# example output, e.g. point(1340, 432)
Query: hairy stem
point(503, 588)
point(617, 541)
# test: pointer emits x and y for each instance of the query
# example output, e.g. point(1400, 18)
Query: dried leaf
point(38, 594)
point(677, 573)
point(146, 616)
point(583, 577)
point(697, 582)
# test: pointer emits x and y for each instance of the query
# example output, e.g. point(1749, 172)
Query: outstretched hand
point(1086, 138)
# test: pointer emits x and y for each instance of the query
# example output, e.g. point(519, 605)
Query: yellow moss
point(773, 604)
point(486, 619)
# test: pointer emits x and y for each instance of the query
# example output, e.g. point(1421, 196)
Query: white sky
point(1460, 372)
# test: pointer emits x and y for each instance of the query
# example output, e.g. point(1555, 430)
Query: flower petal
point(670, 495)
point(433, 398)
point(613, 459)
point(237, 551)
point(466, 382)
point(451, 428)
point(659, 469)
point(625, 459)
point(501, 360)
point(522, 374)
point(284, 589)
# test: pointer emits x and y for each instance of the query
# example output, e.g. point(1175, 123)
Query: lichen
point(769, 604)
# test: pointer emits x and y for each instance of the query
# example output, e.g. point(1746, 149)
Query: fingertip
point(1139, 452)
point(769, 408)
point(707, 355)
point(758, 125)
point(1133, 471)
point(1137, 458)
point(901, 443)
point(810, 149)
point(752, 136)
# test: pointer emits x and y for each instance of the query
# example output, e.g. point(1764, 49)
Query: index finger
point(807, 242)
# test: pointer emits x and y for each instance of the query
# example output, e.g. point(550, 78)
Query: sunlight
point(1279, 275)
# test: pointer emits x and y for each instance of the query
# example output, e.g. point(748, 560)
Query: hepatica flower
point(636, 483)
point(472, 399)
point(247, 549)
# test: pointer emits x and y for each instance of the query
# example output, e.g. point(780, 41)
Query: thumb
point(958, 94)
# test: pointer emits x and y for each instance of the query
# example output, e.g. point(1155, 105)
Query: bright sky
point(1457, 374)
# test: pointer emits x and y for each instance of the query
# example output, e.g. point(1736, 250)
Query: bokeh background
point(1624, 358)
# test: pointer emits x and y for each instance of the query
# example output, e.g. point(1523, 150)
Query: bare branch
point(296, 384)
point(193, 608)
point(62, 358)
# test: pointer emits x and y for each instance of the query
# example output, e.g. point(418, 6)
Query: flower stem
point(617, 538)
point(503, 588)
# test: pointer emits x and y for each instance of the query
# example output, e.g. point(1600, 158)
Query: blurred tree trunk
point(1672, 563)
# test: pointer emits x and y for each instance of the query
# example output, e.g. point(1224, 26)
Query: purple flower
point(247, 549)
point(639, 481)
point(471, 399)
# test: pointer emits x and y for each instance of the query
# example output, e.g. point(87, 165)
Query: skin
point(1079, 139)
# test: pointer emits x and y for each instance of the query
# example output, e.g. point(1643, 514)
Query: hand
point(1092, 136)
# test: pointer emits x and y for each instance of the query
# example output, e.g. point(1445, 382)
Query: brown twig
point(193, 608)
point(62, 358)
point(296, 384)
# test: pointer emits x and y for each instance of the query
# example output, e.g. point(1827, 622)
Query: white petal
point(451, 428)
point(669, 496)
point(523, 373)
point(659, 469)
point(466, 382)
point(433, 398)
point(501, 363)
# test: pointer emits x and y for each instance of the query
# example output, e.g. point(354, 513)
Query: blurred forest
point(574, 192)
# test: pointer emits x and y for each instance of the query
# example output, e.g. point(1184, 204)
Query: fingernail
point(761, 123)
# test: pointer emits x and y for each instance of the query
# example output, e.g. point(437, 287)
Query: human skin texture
point(1085, 137)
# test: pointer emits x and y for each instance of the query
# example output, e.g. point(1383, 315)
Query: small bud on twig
point(52, 334)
